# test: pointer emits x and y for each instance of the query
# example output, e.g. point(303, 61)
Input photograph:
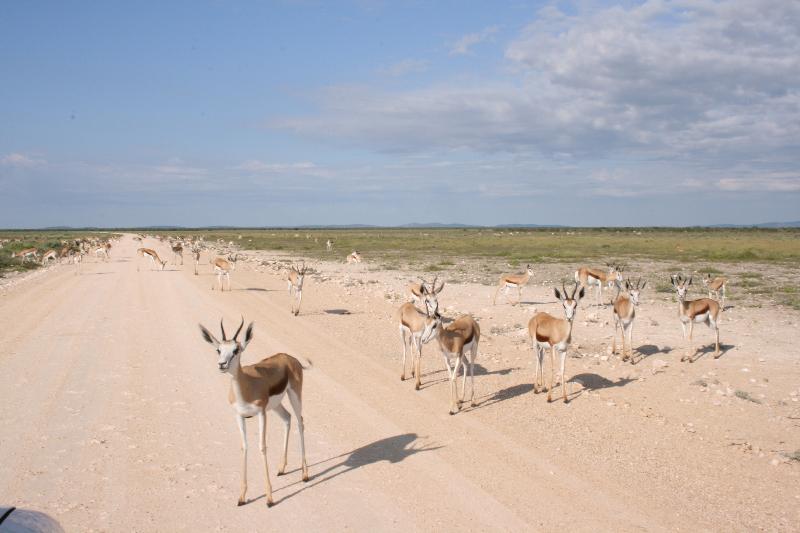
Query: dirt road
point(114, 418)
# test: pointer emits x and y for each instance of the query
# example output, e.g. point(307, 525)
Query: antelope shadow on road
point(391, 449)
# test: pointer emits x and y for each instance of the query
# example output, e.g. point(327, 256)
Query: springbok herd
point(261, 387)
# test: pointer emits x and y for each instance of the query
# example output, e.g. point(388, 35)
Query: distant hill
point(794, 224)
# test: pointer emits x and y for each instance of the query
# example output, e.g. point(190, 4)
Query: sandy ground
point(114, 417)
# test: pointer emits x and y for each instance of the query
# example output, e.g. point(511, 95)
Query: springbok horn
point(563, 290)
point(222, 328)
point(574, 291)
point(240, 329)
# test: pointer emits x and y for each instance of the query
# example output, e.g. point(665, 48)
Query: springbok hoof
point(416, 387)
point(305, 477)
point(240, 503)
point(270, 503)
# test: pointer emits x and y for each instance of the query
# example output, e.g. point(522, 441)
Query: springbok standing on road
point(701, 311)
point(294, 282)
point(258, 388)
point(354, 257)
point(177, 252)
point(624, 312)
point(716, 287)
point(456, 340)
point(196, 255)
point(588, 277)
point(416, 328)
point(222, 268)
point(513, 281)
point(101, 252)
point(546, 331)
point(150, 254)
point(427, 293)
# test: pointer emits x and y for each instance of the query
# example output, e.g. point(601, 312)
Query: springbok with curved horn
point(546, 331)
point(716, 287)
point(416, 328)
point(196, 256)
point(295, 284)
point(354, 257)
point(222, 268)
point(588, 277)
point(177, 252)
point(258, 388)
point(624, 312)
point(147, 253)
point(427, 293)
point(701, 311)
point(513, 281)
point(456, 340)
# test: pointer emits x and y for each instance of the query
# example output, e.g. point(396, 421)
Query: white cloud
point(404, 67)
point(18, 160)
point(305, 168)
point(463, 45)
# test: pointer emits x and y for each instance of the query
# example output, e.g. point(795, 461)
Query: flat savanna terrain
point(115, 416)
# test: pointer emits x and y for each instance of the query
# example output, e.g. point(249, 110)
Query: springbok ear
point(558, 294)
point(580, 294)
point(248, 335)
point(209, 338)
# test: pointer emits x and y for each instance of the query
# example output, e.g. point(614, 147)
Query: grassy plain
point(41, 239)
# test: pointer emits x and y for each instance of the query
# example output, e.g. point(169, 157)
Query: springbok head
point(301, 274)
point(229, 351)
point(569, 301)
point(681, 285)
point(635, 289)
point(430, 292)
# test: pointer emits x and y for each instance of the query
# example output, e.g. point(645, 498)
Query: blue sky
point(288, 113)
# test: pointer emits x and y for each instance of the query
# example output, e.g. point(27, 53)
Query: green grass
point(709, 270)
point(681, 246)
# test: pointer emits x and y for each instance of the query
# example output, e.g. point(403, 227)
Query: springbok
point(155, 261)
point(222, 268)
point(594, 276)
point(701, 311)
point(177, 251)
point(355, 257)
point(329, 245)
point(101, 252)
point(416, 328)
point(456, 340)
point(427, 293)
point(513, 281)
point(258, 388)
point(27, 253)
point(77, 258)
point(196, 255)
point(294, 283)
point(624, 312)
point(49, 255)
point(716, 287)
point(233, 259)
point(546, 331)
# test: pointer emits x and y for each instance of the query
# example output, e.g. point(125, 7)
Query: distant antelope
point(258, 388)
point(196, 255)
point(155, 261)
point(624, 313)
point(588, 277)
point(222, 268)
point(329, 245)
point(354, 257)
point(295, 284)
point(546, 331)
point(456, 340)
point(101, 252)
point(27, 253)
point(77, 258)
point(233, 259)
point(513, 281)
point(49, 255)
point(716, 287)
point(701, 311)
point(177, 252)
point(416, 328)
